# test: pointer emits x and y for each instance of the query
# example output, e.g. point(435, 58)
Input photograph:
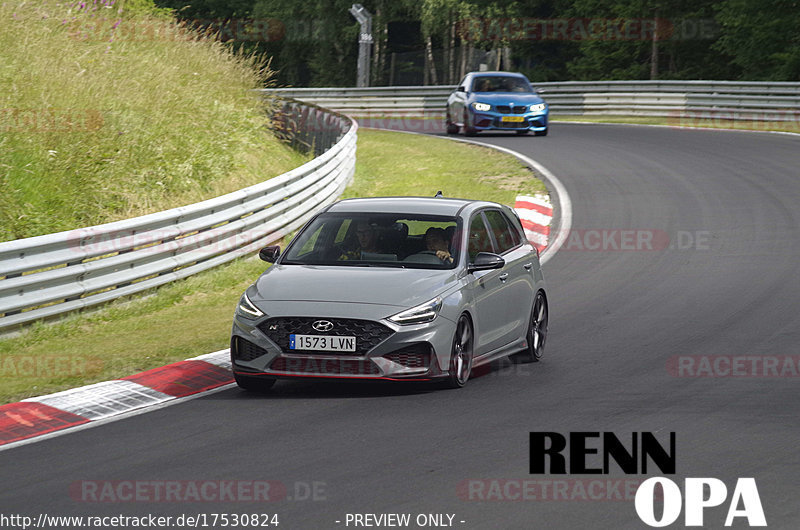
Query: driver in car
point(436, 242)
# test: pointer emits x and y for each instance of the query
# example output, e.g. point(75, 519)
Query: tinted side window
point(504, 233)
point(479, 240)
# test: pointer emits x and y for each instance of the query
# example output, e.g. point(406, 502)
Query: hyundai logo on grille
point(322, 325)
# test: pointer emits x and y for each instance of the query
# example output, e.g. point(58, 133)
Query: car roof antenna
point(438, 195)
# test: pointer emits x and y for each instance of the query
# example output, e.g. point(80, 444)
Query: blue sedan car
point(501, 101)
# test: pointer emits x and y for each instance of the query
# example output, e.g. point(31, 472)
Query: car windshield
point(500, 83)
point(377, 240)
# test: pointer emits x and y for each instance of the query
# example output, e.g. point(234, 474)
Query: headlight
point(247, 309)
point(418, 315)
point(538, 108)
point(482, 106)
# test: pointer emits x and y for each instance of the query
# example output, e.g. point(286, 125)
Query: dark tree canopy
point(315, 42)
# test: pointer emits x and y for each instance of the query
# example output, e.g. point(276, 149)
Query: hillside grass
point(109, 111)
point(191, 317)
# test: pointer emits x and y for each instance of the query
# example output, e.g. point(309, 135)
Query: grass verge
point(688, 121)
point(193, 316)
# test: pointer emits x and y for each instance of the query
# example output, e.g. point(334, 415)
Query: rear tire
point(461, 354)
point(254, 384)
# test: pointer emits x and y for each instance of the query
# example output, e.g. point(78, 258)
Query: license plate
point(512, 118)
point(322, 343)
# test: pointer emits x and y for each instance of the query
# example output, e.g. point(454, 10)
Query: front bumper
point(491, 120)
point(412, 352)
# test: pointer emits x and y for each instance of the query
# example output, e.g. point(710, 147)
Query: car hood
point(367, 285)
point(504, 98)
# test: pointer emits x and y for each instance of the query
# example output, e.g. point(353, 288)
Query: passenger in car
point(367, 241)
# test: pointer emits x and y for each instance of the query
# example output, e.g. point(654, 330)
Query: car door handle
point(527, 266)
point(503, 277)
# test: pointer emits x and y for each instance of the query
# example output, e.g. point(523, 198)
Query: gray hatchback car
point(394, 288)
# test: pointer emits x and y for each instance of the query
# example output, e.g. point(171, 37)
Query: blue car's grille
point(368, 334)
point(507, 109)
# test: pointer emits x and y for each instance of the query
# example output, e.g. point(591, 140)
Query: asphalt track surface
point(617, 316)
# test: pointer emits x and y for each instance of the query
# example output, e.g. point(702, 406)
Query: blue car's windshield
point(379, 240)
point(500, 83)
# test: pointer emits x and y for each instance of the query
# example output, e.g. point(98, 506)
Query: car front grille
point(310, 365)
point(417, 356)
point(510, 124)
point(246, 351)
point(368, 334)
point(507, 109)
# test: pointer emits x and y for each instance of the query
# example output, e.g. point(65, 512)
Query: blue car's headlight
point(538, 108)
point(420, 314)
point(247, 309)
point(481, 106)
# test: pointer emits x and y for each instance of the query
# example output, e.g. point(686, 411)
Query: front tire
point(468, 131)
point(540, 133)
point(254, 384)
point(450, 126)
point(461, 354)
point(537, 329)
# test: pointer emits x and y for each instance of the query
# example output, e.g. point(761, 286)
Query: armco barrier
point(53, 274)
point(765, 101)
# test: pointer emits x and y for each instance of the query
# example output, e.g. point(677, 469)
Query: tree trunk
point(431, 62)
point(462, 60)
point(654, 50)
point(377, 49)
point(451, 66)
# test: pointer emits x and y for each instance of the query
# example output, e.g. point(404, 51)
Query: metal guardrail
point(695, 99)
point(53, 274)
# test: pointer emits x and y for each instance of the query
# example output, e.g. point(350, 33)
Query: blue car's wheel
point(540, 133)
point(468, 130)
point(450, 126)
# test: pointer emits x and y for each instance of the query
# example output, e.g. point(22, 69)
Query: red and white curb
point(536, 214)
point(54, 412)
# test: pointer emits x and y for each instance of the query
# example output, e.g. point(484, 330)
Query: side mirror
point(541, 91)
point(269, 254)
point(485, 261)
point(461, 89)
